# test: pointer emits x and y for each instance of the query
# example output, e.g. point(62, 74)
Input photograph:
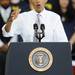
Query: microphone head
point(42, 27)
point(35, 26)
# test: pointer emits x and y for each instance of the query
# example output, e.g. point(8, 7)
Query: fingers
point(15, 13)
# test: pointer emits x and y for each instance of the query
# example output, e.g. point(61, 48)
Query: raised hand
point(13, 16)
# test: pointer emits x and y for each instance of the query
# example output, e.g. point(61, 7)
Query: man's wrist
point(8, 25)
point(9, 20)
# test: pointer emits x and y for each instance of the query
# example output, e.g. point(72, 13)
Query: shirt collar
point(5, 13)
point(1, 8)
point(42, 13)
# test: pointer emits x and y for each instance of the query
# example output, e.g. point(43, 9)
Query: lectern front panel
point(27, 59)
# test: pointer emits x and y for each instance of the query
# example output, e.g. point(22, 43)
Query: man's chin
point(39, 10)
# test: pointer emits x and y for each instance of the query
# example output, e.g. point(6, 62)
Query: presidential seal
point(40, 59)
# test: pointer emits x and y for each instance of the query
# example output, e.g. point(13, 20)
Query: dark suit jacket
point(4, 39)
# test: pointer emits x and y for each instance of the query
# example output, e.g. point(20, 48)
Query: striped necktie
point(38, 24)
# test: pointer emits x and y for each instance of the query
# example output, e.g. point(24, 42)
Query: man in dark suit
point(5, 11)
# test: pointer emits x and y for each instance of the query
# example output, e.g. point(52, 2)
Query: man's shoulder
point(25, 13)
point(48, 13)
point(22, 16)
point(53, 14)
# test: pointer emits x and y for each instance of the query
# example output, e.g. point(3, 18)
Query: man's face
point(73, 4)
point(38, 5)
point(4, 2)
point(64, 3)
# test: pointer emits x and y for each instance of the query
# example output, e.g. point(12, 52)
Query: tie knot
point(38, 15)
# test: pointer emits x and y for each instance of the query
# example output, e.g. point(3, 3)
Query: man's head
point(4, 2)
point(64, 3)
point(38, 5)
point(73, 4)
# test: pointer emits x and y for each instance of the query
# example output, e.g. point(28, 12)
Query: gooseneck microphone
point(35, 27)
point(39, 34)
point(43, 28)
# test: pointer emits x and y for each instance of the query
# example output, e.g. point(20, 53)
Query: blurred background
point(65, 8)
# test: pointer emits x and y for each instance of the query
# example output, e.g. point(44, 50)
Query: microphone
point(39, 34)
point(42, 27)
point(35, 27)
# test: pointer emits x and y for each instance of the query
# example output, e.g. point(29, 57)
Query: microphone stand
point(39, 35)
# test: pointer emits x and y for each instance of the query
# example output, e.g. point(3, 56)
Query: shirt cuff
point(6, 34)
point(73, 62)
point(1, 43)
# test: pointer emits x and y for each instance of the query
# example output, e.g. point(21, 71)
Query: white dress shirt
point(23, 25)
point(5, 13)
